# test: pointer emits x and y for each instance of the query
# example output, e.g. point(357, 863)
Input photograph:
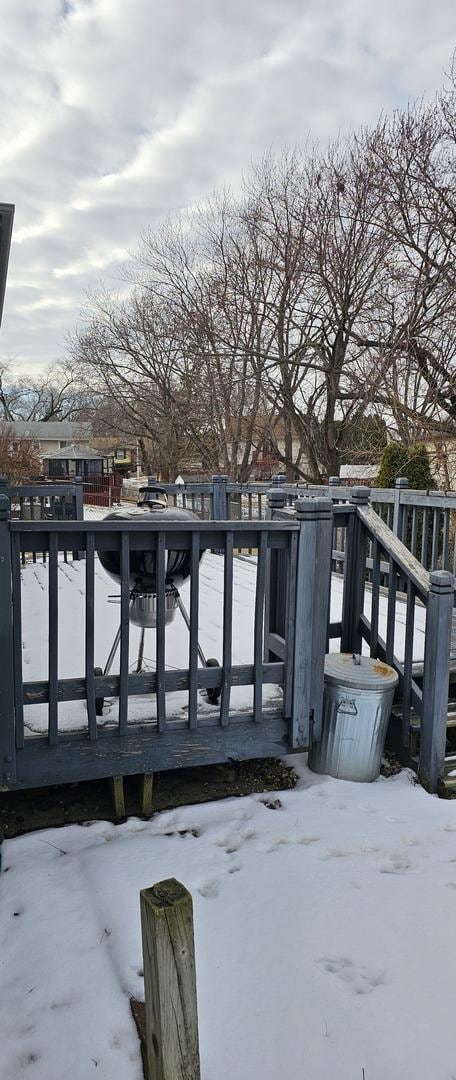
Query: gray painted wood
point(37, 692)
point(90, 634)
point(7, 718)
point(375, 597)
point(161, 631)
point(260, 589)
point(53, 638)
point(408, 665)
point(170, 982)
point(194, 624)
point(354, 576)
point(124, 632)
point(227, 662)
point(17, 639)
point(315, 518)
point(403, 558)
point(144, 749)
point(436, 678)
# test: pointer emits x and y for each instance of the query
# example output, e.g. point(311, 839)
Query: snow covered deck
point(71, 594)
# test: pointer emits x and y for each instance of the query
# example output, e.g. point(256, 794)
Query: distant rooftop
point(73, 453)
point(49, 429)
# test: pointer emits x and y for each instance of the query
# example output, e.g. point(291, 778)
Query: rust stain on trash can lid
point(359, 672)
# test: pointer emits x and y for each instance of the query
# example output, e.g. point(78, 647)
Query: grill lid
point(359, 672)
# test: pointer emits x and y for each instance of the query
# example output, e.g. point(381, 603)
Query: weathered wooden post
point(313, 585)
point(439, 615)
point(215, 497)
point(276, 583)
point(79, 498)
point(355, 568)
point(7, 715)
point(223, 496)
point(399, 510)
point(170, 982)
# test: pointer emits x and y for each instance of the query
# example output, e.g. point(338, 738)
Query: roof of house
point(49, 429)
point(73, 453)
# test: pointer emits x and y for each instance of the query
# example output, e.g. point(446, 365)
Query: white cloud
point(114, 115)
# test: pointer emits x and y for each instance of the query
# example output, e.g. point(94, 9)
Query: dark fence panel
point(200, 735)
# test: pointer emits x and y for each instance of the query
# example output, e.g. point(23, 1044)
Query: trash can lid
point(359, 672)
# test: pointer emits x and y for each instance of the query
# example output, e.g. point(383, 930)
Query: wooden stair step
point(415, 720)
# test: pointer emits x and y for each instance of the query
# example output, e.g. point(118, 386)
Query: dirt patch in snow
point(40, 808)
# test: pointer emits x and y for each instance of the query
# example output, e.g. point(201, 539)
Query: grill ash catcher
point(143, 580)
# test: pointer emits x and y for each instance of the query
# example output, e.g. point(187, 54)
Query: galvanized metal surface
point(355, 720)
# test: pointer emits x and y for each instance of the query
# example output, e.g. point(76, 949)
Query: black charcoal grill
point(143, 579)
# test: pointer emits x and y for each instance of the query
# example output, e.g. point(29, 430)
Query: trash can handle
point(356, 658)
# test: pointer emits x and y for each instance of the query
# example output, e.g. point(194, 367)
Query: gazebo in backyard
point(73, 461)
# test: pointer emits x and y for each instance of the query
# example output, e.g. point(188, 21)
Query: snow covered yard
point(323, 936)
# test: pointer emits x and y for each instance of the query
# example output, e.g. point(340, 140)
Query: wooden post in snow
point(170, 982)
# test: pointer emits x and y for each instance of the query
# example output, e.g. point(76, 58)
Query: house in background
point(50, 436)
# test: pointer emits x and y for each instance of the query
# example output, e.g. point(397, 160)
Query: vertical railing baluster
point(160, 632)
point(391, 612)
point(90, 634)
point(424, 538)
point(227, 660)
point(42, 502)
point(193, 635)
point(17, 638)
point(124, 630)
point(292, 561)
point(259, 628)
point(32, 518)
point(414, 537)
point(375, 599)
point(446, 540)
point(408, 662)
point(435, 539)
point(7, 692)
point(53, 675)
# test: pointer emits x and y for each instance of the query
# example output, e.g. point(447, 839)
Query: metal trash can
point(358, 696)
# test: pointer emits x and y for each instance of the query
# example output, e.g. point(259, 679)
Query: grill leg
point(139, 665)
point(186, 619)
point(114, 648)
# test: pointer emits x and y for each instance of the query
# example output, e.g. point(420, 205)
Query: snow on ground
point(323, 936)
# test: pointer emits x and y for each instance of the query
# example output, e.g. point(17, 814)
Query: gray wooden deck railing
point(425, 521)
point(295, 547)
point(45, 501)
point(289, 655)
point(423, 684)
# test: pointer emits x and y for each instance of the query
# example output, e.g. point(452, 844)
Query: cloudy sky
point(115, 113)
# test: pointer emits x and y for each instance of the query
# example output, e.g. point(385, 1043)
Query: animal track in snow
point(210, 889)
point(360, 980)
point(394, 864)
